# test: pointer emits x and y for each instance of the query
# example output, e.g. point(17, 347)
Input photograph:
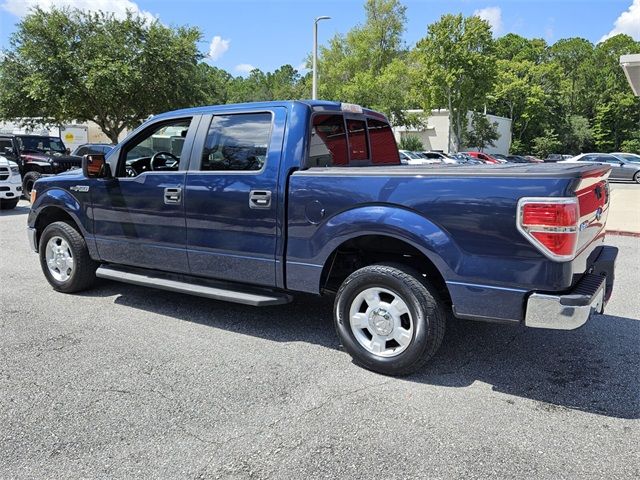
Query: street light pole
point(314, 92)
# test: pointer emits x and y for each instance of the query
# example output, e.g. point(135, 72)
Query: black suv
point(37, 155)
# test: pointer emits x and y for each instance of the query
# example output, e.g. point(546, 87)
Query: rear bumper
point(573, 309)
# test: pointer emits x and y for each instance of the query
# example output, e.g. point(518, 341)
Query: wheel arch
point(55, 205)
point(364, 250)
point(369, 234)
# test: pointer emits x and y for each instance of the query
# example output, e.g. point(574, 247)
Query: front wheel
point(636, 177)
point(27, 183)
point(389, 318)
point(65, 260)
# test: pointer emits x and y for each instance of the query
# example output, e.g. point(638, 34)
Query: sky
point(239, 35)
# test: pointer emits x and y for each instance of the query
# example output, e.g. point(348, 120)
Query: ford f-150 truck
point(252, 203)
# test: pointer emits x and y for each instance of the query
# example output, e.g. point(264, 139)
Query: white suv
point(10, 184)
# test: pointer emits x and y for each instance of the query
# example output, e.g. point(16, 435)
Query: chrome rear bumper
point(564, 312)
point(570, 310)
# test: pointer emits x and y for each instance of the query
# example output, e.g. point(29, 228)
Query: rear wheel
point(27, 182)
point(6, 204)
point(389, 318)
point(65, 260)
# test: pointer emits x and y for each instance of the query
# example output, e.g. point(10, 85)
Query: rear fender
point(307, 256)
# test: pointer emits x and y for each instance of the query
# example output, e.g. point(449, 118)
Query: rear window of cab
point(338, 141)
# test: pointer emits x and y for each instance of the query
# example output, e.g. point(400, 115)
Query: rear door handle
point(260, 199)
point(172, 195)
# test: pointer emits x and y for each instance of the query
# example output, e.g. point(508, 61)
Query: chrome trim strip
point(304, 264)
point(479, 285)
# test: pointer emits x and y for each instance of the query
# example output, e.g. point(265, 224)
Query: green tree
point(411, 143)
point(285, 83)
point(546, 144)
point(214, 84)
point(453, 67)
point(615, 122)
point(367, 65)
point(573, 55)
point(579, 135)
point(482, 133)
point(69, 64)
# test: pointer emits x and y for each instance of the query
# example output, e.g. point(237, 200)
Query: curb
point(622, 233)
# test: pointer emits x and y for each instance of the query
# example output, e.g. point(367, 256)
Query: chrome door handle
point(260, 199)
point(172, 195)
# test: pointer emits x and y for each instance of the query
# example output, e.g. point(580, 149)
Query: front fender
point(306, 256)
point(55, 203)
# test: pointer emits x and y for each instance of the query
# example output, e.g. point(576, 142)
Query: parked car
point(485, 157)
point(557, 157)
point(439, 157)
point(10, 184)
point(36, 156)
point(92, 149)
point(533, 159)
point(265, 200)
point(517, 159)
point(621, 168)
point(414, 158)
point(466, 159)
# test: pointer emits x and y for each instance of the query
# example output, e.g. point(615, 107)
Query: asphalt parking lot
point(128, 382)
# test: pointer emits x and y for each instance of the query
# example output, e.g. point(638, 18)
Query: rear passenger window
point(328, 144)
point(358, 148)
point(383, 144)
point(237, 142)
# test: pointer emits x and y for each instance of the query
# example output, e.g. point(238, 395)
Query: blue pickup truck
point(252, 203)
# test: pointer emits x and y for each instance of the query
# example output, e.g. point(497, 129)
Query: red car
point(486, 158)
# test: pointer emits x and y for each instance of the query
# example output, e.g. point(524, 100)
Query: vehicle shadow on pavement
point(19, 210)
point(593, 369)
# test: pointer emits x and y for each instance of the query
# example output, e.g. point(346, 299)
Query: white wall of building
point(434, 133)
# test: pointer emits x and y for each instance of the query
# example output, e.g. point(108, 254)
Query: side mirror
point(68, 150)
point(95, 166)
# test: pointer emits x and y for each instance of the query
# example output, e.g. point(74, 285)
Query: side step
point(204, 288)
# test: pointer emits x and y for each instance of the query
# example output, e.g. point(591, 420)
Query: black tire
point(426, 309)
point(27, 183)
point(83, 274)
point(636, 177)
point(8, 204)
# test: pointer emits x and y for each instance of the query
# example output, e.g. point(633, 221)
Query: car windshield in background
point(42, 144)
point(629, 157)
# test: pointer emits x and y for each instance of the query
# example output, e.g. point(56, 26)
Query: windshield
point(629, 157)
point(42, 144)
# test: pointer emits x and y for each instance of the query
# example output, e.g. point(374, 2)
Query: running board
point(206, 288)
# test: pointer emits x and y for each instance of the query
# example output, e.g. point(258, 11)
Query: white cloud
point(302, 68)
point(244, 68)
point(493, 15)
point(628, 22)
point(218, 47)
point(119, 8)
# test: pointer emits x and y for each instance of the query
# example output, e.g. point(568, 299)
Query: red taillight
point(550, 214)
point(551, 224)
